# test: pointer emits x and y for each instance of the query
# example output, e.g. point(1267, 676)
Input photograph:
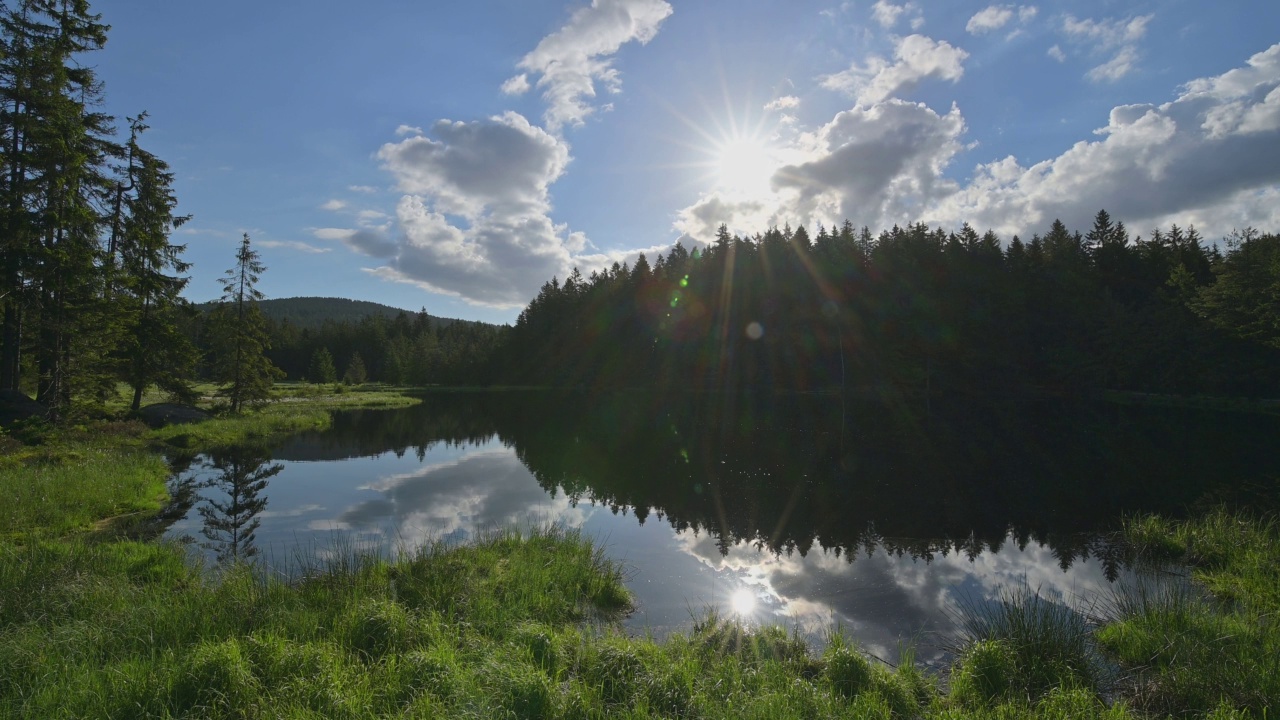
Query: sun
point(744, 165)
point(743, 602)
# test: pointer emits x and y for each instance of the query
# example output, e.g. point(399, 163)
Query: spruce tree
point(356, 373)
point(153, 350)
point(239, 334)
point(322, 369)
point(56, 150)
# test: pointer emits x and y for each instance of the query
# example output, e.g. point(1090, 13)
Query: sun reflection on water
point(743, 602)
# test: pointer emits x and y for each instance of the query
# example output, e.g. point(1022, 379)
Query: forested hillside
point(919, 308)
point(308, 313)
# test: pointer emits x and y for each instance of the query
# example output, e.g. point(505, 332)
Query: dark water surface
point(879, 517)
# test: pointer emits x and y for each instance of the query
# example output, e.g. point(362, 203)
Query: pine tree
point(240, 334)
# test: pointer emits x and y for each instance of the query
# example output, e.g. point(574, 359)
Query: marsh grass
point(70, 483)
point(1021, 645)
point(1211, 644)
point(493, 628)
point(294, 409)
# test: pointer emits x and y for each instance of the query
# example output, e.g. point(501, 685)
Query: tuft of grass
point(1023, 645)
point(1211, 645)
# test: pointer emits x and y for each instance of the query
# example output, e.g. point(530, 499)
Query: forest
point(919, 308)
point(91, 291)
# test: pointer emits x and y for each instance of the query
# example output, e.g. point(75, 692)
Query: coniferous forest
point(919, 308)
point(91, 283)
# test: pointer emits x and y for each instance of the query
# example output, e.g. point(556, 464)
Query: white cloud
point(916, 58)
point(292, 245)
point(366, 241)
point(501, 166)
point(1210, 157)
point(993, 17)
point(888, 14)
point(1117, 38)
point(517, 85)
point(365, 189)
point(404, 130)
point(474, 221)
point(334, 205)
point(878, 165)
point(1056, 53)
point(571, 61)
point(783, 103)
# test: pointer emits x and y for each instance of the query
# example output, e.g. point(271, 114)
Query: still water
point(880, 518)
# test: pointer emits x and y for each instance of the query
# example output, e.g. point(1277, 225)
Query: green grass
point(1212, 643)
point(57, 480)
point(1023, 645)
point(521, 625)
point(77, 479)
point(297, 407)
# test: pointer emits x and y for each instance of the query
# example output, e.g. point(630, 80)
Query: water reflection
point(233, 480)
point(757, 506)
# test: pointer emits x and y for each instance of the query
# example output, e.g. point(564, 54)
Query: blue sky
point(455, 156)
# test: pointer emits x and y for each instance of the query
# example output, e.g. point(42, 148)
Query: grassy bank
point(296, 407)
point(518, 625)
point(60, 480)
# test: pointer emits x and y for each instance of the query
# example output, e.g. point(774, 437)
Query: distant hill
point(312, 312)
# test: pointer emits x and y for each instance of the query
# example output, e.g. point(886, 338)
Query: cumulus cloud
point(1115, 38)
point(994, 17)
point(333, 205)
point(474, 218)
point(366, 189)
point(875, 163)
point(366, 242)
point(502, 166)
point(1210, 157)
point(1056, 53)
point(878, 165)
point(570, 62)
point(916, 58)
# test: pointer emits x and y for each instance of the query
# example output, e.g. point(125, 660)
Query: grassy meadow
point(521, 624)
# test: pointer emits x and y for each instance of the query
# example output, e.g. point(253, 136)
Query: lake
point(883, 518)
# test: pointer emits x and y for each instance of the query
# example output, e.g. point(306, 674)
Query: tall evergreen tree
point(154, 351)
point(240, 336)
point(322, 370)
point(56, 149)
point(356, 373)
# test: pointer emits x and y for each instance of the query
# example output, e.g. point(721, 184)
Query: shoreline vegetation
point(96, 623)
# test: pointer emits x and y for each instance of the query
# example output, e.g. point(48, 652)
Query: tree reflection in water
point(230, 512)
